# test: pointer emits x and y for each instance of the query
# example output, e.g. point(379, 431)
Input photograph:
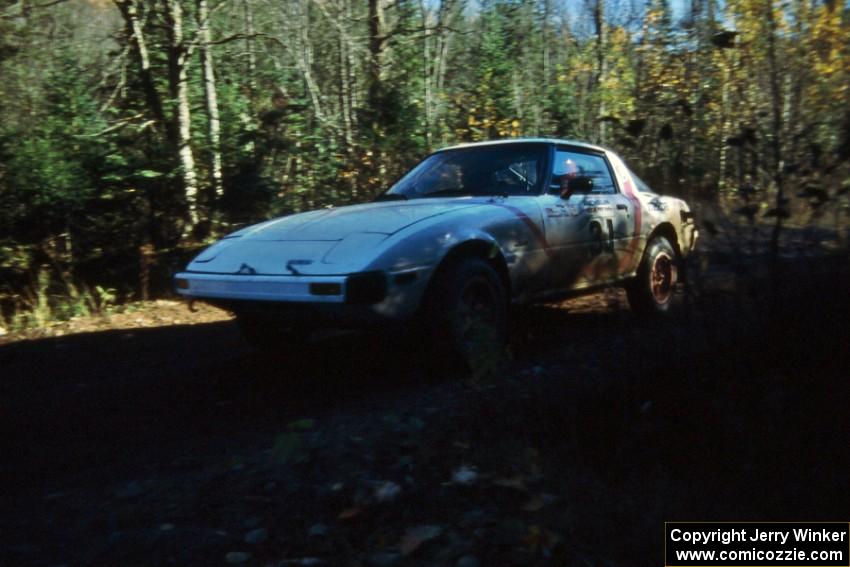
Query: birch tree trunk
point(376, 51)
point(447, 13)
point(599, 25)
point(351, 68)
point(248, 11)
point(344, 87)
point(545, 65)
point(210, 99)
point(135, 30)
point(178, 80)
point(428, 65)
point(303, 55)
point(777, 127)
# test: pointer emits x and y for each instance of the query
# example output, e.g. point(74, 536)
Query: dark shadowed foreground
point(179, 445)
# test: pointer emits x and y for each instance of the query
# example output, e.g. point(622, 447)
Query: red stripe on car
point(629, 191)
point(532, 226)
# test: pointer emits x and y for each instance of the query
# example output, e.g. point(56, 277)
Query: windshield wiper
point(390, 197)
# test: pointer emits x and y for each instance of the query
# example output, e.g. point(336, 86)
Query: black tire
point(652, 290)
point(268, 335)
point(466, 310)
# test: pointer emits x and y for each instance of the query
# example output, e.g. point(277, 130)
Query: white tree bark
point(601, 66)
point(210, 99)
point(346, 118)
point(179, 88)
point(428, 65)
point(249, 46)
point(135, 28)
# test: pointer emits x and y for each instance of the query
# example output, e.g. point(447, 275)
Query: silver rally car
point(466, 233)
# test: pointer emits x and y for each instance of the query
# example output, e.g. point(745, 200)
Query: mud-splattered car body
point(511, 207)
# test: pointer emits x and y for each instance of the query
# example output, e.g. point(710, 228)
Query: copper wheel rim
point(661, 278)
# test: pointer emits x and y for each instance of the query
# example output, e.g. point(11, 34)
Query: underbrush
point(40, 303)
point(36, 295)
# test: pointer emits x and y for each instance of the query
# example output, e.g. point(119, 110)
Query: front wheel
point(651, 292)
point(467, 309)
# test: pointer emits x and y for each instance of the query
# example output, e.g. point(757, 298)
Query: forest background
point(134, 131)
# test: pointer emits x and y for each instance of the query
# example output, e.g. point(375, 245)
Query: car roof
point(507, 141)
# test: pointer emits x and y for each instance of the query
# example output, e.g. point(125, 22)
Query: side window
point(576, 164)
point(641, 186)
point(519, 176)
point(624, 172)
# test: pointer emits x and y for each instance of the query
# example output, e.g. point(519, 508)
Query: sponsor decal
point(600, 210)
point(563, 211)
point(658, 205)
point(292, 263)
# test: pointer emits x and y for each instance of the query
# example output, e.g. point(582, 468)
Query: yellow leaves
point(827, 42)
point(583, 65)
point(511, 128)
point(827, 53)
point(752, 21)
point(653, 17)
point(619, 37)
point(508, 127)
point(504, 127)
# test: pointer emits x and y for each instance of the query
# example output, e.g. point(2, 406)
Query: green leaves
point(149, 174)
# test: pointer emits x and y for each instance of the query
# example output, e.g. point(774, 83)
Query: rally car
point(468, 232)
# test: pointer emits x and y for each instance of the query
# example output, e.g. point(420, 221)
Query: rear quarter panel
point(655, 210)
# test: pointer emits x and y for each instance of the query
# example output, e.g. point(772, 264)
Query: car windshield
point(510, 169)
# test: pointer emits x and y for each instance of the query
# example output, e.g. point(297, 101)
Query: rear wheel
point(467, 310)
point(651, 292)
point(269, 335)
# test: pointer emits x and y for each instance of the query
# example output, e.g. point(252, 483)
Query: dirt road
point(180, 445)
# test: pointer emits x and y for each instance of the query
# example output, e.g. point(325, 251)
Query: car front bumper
point(360, 298)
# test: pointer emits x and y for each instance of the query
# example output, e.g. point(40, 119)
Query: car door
point(514, 185)
point(583, 229)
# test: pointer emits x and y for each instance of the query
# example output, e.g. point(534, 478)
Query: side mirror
point(581, 185)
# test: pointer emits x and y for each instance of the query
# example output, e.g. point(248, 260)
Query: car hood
point(330, 241)
point(337, 223)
